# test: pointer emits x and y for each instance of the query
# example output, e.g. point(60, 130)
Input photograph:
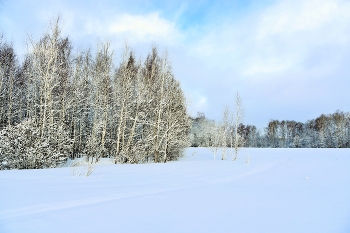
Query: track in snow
point(195, 194)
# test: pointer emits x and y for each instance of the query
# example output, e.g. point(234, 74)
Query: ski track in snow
point(221, 178)
point(271, 180)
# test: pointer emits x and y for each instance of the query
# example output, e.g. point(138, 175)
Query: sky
point(287, 59)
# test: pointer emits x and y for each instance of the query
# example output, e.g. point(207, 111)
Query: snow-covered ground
point(280, 190)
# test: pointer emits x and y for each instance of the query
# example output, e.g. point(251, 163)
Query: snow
point(280, 190)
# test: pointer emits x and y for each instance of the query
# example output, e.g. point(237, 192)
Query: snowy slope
point(280, 190)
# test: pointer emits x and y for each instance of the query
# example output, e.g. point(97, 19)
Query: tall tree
point(238, 119)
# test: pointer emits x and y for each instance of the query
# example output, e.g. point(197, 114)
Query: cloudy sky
point(288, 59)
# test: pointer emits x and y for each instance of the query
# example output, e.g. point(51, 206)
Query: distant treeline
point(326, 131)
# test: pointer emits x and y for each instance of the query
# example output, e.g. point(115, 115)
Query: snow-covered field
point(280, 190)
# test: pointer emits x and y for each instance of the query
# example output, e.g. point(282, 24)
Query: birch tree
point(214, 138)
point(100, 139)
point(226, 138)
point(124, 83)
point(175, 135)
point(238, 140)
point(46, 92)
point(81, 120)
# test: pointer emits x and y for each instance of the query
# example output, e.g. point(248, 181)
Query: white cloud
point(278, 38)
point(306, 22)
point(288, 17)
point(144, 27)
point(291, 30)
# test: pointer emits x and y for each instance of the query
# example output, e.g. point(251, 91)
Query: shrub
point(25, 146)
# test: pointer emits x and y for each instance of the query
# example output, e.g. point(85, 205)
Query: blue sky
point(288, 59)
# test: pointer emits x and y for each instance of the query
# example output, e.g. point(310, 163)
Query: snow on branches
point(22, 146)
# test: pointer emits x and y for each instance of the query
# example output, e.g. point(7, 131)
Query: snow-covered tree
point(23, 147)
point(238, 140)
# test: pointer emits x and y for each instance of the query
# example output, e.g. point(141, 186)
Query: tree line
point(59, 104)
point(325, 131)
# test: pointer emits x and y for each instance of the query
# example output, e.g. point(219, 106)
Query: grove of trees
point(59, 104)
